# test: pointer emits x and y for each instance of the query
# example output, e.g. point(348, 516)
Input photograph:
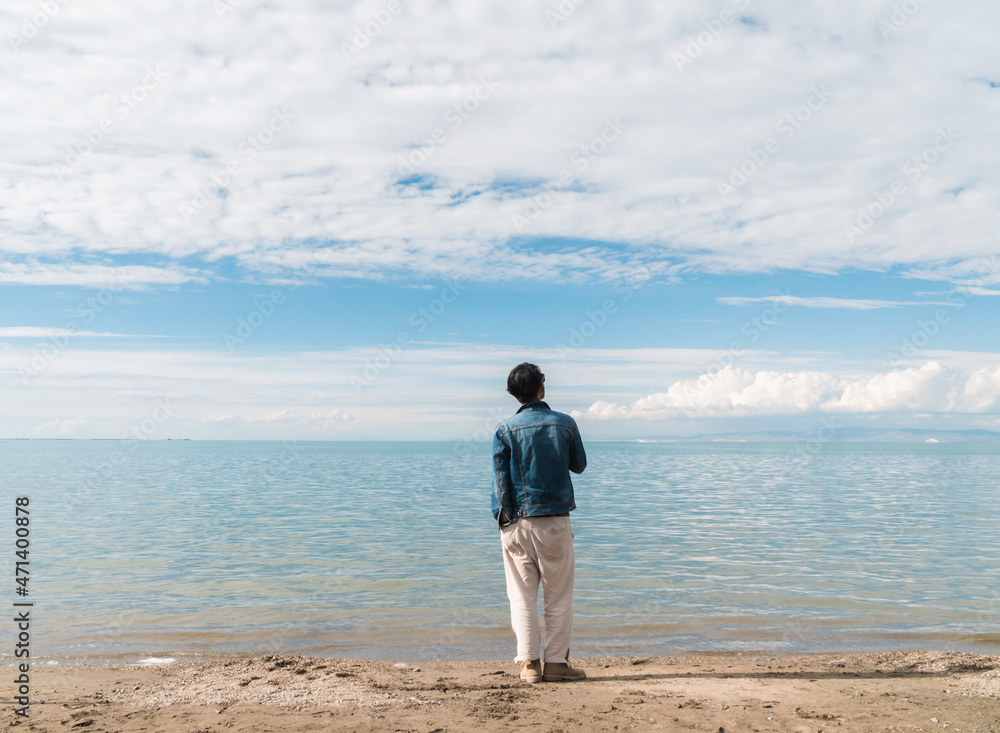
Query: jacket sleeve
point(577, 455)
point(503, 486)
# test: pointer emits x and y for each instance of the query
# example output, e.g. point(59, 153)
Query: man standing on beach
point(533, 453)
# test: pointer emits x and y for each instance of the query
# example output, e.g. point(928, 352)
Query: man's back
point(534, 451)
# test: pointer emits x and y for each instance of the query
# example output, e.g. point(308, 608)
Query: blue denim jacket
point(533, 453)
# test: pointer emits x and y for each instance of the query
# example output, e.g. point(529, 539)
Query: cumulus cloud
point(735, 392)
point(926, 389)
point(980, 392)
point(149, 130)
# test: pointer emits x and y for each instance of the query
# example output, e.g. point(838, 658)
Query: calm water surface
point(389, 550)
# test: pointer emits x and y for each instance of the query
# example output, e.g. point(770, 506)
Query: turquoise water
point(388, 549)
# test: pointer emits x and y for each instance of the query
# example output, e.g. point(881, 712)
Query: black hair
point(524, 381)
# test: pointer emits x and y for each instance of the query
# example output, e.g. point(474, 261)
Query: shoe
point(562, 672)
point(531, 672)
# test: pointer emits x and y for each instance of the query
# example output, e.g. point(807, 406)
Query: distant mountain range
point(843, 435)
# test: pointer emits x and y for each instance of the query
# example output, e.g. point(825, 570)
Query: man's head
point(526, 383)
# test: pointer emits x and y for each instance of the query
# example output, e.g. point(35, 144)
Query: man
point(533, 453)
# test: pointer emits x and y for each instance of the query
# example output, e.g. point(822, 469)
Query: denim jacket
point(533, 453)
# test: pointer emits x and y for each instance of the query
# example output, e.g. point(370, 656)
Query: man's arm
point(503, 486)
point(577, 455)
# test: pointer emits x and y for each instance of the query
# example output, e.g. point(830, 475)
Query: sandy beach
point(899, 691)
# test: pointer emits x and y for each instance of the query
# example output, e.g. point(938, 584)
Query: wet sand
point(899, 691)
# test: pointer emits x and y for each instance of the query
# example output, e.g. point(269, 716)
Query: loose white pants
point(540, 549)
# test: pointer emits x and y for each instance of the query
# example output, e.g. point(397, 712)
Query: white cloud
point(821, 302)
point(971, 273)
point(127, 277)
point(902, 390)
point(51, 332)
point(735, 392)
point(980, 392)
point(284, 416)
point(729, 391)
point(322, 180)
point(978, 291)
point(62, 428)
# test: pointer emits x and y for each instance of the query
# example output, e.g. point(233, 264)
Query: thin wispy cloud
point(821, 302)
point(283, 416)
point(978, 291)
point(33, 332)
point(73, 427)
point(112, 277)
point(159, 111)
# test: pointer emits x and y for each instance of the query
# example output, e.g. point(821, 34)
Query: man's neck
point(526, 405)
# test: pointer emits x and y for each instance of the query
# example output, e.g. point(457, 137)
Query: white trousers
point(540, 549)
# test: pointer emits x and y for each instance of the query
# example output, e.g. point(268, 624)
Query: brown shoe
point(562, 672)
point(531, 672)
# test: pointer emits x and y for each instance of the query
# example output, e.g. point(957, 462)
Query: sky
point(236, 219)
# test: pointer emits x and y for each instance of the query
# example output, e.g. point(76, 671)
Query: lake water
point(388, 550)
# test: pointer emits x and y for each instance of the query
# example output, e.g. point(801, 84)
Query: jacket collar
point(530, 405)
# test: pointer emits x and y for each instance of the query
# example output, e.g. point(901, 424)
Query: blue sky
point(349, 220)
